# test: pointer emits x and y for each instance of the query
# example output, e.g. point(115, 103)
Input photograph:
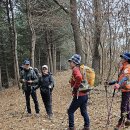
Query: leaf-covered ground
point(13, 114)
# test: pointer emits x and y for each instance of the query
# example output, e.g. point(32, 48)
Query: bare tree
point(96, 39)
point(75, 26)
point(30, 22)
point(0, 80)
point(13, 38)
point(15, 45)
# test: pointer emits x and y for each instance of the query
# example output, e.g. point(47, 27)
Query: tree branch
point(62, 7)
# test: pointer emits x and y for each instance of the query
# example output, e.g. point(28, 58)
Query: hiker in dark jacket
point(29, 79)
point(46, 84)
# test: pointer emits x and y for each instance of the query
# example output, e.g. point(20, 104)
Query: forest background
point(51, 31)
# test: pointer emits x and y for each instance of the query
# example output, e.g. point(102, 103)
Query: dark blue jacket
point(45, 81)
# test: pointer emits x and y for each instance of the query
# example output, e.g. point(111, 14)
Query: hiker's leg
point(34, 97)
point(27, 96)
point(127, 123)
point(72, 108)
point(128, 107)
point(48, 104)
point(124, 104)
point(83, 110)
point(45, 97)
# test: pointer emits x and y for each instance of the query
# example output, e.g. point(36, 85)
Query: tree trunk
point(10, 38)
point(54, 58)
point(49, 53)
point(30, 22)
point(0, 80)
point(96, 39)
point(4, 66)
point(7, 74)
point(75, 27)
point(58, 60)
point(129, 44)
point(15, 46)
point(50, 58)
point(39, 58)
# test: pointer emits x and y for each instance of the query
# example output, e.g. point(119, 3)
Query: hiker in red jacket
point(123, 83)
point(79, 98)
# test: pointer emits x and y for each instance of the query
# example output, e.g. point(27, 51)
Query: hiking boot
point(86, 128)
point(71, 128)
point(127, 123)
point(50, 116)
point(119, 127)
point(28, 114)
point(37, 115)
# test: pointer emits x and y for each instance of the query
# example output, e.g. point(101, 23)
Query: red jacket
point(76, 80)
point(125, 72)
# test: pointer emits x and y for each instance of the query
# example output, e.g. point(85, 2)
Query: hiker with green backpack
point(29, 79)
point(80, 98)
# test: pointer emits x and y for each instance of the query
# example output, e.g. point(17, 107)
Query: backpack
point(88, 78)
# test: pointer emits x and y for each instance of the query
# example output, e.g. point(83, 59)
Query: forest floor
point(13, 115)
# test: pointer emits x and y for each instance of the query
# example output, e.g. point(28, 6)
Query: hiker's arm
point(51, 81)
point(78, 79)
point(112, 82)
point(123, 81)
point(125, 78)
point(39, 83)
point(35, 78)
point(22, 80)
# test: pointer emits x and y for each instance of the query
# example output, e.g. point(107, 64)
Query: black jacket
point(45, 81)
point(28, 75)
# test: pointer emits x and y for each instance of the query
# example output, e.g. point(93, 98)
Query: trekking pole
point(106, 96)
point(109, 112)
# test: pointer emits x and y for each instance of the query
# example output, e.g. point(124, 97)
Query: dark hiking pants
point(47, 100)
point(81, 103)
point(34, 97)
point(125, 106)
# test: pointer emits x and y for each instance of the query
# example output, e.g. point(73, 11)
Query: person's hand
point(23, 80)
point(106, 83)
point(50, 86)
point(74, 91)
point(116, 86)
point(30, 81)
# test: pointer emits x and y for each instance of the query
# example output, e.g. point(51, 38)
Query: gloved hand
point(30, 81)
point(50, 86)
point(23, 80)
point(106, 83)
point(74, 91)
point(116, 86)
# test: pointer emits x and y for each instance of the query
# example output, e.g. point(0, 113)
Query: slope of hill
point(13, 115)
